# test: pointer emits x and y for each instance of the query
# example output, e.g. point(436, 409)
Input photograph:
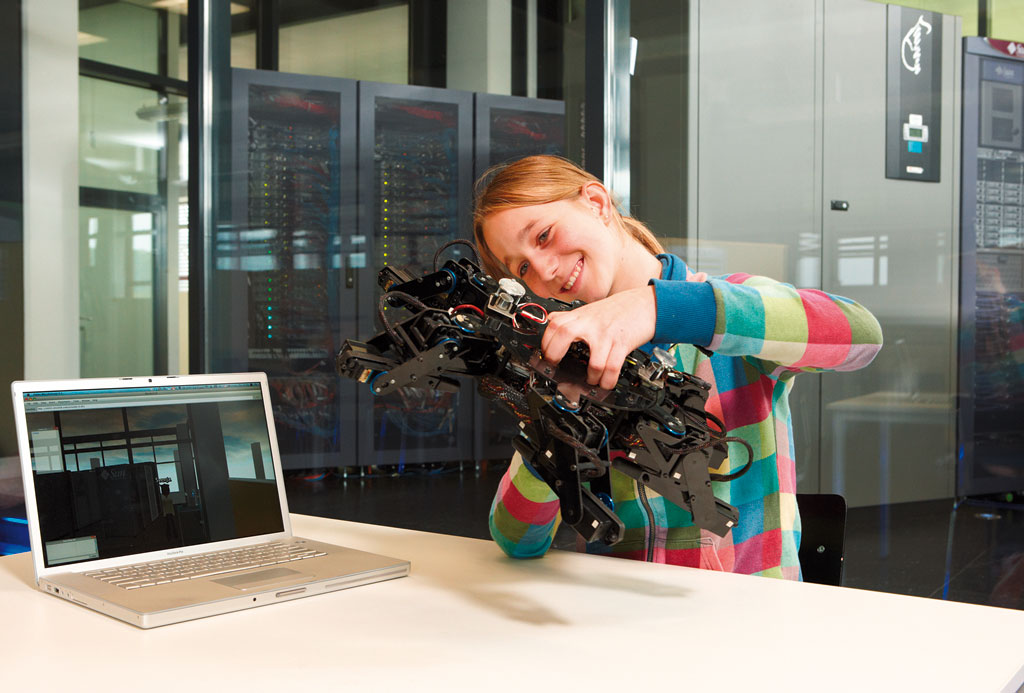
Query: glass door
point(132, 175)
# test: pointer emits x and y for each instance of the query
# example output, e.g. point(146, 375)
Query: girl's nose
point(543, 269)
point(548, 267)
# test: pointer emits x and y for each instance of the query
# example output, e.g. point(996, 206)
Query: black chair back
point(823, 518)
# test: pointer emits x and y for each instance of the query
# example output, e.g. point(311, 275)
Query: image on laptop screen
point(130, 470)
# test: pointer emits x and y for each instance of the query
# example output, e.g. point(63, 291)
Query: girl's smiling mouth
point(574, 276)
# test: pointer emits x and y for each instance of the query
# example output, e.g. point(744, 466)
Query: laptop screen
point(130, 470)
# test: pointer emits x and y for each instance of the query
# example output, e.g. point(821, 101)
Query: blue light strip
point(15, 520)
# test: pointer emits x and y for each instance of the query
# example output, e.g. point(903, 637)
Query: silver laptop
point(159, 500)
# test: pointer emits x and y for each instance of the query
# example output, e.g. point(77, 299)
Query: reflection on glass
point(142, 453)
point(243, 50)
point(863, 261)
point(120, 33)
point(282, 254)
point(416, 181)
point(246, 444)
point(518, 132)
point(119, 147)
point(116, 298)
point(116, 456)
point(132, 140)
point(999, 364)
point(992, 302)
point(243, 40)
point(116, 492)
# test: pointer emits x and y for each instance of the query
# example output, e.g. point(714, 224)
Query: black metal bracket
point(652, 426)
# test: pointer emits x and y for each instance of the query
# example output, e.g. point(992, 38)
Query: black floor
point(973, 552)
point(448, 499)
point(904, 549)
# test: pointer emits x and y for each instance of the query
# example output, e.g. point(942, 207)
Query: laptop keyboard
point(133, 577)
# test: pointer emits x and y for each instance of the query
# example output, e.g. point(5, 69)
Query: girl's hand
point(612, 328)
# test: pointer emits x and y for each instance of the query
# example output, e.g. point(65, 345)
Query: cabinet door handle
point(840, 206)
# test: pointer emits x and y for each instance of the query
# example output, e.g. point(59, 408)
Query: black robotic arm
point(652, 426)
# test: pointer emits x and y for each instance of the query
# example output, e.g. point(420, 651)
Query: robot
point(652, 426)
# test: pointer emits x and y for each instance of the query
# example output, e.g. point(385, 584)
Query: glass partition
point(133, 175)
point(760, 139)
point(125, 34)
point(118, 286)
point(120, 147)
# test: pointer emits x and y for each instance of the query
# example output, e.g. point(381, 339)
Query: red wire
point(522, 311)
point(471, 306)
point(543, 310)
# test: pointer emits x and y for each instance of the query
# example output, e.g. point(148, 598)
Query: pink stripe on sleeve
point(827, 327)
point(525, 510)
point(738, 278)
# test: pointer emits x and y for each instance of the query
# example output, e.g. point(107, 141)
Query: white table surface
point(469, 619)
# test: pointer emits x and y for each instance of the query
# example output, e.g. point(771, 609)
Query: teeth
point(572, 277)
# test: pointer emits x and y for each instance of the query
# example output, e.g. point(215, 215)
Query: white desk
point(468, 619)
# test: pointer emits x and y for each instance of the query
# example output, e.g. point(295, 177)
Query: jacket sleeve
point(524, 514)
point(789, 330)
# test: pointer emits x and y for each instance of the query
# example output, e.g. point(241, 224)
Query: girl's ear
point(596, 197)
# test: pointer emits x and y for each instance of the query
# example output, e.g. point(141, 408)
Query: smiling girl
point(555, 227)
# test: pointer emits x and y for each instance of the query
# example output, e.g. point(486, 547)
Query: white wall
point(50, 110)
point(480, 45)
point(371, 45)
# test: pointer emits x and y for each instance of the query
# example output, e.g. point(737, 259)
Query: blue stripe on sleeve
point(686, 312)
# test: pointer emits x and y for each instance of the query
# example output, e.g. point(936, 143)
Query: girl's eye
point(542, 238)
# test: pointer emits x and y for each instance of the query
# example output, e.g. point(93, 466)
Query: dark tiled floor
point(450, 498)
point(973, 552)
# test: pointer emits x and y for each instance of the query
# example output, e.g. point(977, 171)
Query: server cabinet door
point(891, 427)
point(511, 127)
point(991, 397)
point(280, 299)
point(756, 208)
point(415, 190)
point(508, 128)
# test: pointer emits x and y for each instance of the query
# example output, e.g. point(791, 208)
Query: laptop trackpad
point(262, 578)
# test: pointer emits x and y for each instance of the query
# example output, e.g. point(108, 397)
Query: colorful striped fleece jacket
point(761, 333)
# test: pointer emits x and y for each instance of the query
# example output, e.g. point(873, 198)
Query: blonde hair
point(537, 180)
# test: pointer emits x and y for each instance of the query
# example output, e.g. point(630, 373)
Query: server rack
point(283, 290)
point(415, 191)
point(991, 356)
point(509, 128)
point(330, 180)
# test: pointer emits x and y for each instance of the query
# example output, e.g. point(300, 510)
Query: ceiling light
point(85, 39)
point(181, 6)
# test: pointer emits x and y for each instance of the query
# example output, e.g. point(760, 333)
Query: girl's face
point(560, 249)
